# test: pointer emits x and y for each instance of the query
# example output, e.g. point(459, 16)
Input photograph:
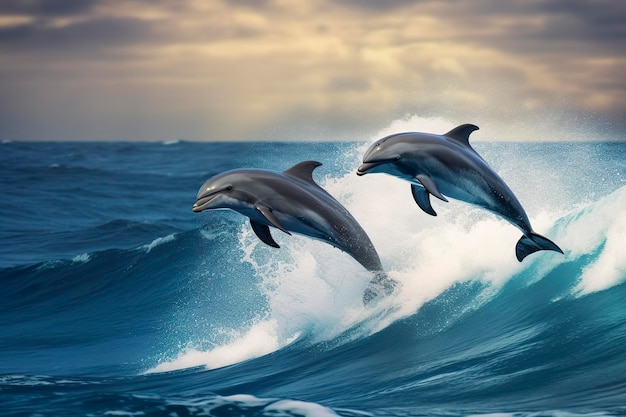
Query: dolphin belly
point(492, 199)
point(461, 190)
point(346, 235)
point(302, 225)
point(309, 224)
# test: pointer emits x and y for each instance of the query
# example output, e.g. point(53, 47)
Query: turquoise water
point(117, 299)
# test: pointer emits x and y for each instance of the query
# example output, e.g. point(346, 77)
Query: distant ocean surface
point(117, 300)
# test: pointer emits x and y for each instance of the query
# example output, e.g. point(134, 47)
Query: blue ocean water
point(116, 299)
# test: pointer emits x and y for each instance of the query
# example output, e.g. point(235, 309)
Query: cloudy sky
point(310, 69)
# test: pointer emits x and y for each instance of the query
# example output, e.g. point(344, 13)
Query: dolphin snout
point(363, 168)
point(202, 203)
point(366, 166)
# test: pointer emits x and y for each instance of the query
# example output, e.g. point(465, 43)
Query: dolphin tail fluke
point(380, 286)
point(532, 243)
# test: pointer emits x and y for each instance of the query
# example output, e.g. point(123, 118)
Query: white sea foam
point(259, 340)
point(298, 408)
point(50, 264)
point(84, 258)
point(245, 404)
point(172, 142)
point(414, 123)
point(158, 241)
point(428, 254)
point(600, 227)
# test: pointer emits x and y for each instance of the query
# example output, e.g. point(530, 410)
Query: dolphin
point(291, 201)
point(447, 165)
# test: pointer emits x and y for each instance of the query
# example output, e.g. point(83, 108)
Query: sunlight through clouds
point(324, 70)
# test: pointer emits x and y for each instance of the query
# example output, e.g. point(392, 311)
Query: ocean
point(117, 300)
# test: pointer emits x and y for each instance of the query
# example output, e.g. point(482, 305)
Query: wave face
point(118, 300)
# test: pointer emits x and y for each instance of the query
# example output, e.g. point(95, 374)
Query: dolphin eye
point(229, 188)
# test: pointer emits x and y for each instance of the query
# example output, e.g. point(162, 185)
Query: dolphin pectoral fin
point(422, 198)
point(262, 231)
point(267, 213)
point(430, 186)
point(533, 243)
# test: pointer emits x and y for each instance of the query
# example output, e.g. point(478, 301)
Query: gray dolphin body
point(291, 201)
point(446, 165)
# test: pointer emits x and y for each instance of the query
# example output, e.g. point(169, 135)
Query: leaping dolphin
point(446, 165)
point(291, 201)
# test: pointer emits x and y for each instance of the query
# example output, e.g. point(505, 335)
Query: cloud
point(238, 69)
point(91, 35)
point(45, 7)
point(378, 6)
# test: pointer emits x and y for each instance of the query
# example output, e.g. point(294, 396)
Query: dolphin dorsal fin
point(460, 134)
point(304, 170)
